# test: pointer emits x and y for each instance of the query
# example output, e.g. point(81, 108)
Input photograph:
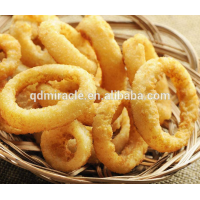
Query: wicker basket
point(23, 152)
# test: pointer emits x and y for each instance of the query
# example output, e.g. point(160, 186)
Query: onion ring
point(72, 146)
point(11, 48)
point(133, 152)
point(24, 101)
point(73, 48)
point(26, 32)
point(3, 124)
point(56, 153)
point(137, 50)
point(37, 120)
point(145, 111)
point(99, 33)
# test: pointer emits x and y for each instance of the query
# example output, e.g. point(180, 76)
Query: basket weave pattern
point(23, 152)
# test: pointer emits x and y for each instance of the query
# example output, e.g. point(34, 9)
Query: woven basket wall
point(23, 152)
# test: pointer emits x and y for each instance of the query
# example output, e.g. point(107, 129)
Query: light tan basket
point(23, 152)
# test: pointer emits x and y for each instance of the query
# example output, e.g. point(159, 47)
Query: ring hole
point(23, 99)
point(37, 42)
point(2, 55)
point(71, 145)
point(117, 131)
point(120, 135)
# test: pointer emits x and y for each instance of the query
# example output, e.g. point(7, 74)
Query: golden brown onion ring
point(99, 33)
point(146, 113)
point(26, 32)
point(55, 151)
point(133, 152)
point(3, 124)
point(37, 120)
point(67, 46)
point(137, 50)
point(12, 51)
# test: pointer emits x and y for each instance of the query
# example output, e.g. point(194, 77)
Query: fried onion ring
point(37, 120)
point(3, 124)
point(24, 101)
point(67, 46)
point(56, 153)
point(12, 50)
point(26, 32)
point(137, 50)
point(146, 113)
point(133, 152)
point(99, 33)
